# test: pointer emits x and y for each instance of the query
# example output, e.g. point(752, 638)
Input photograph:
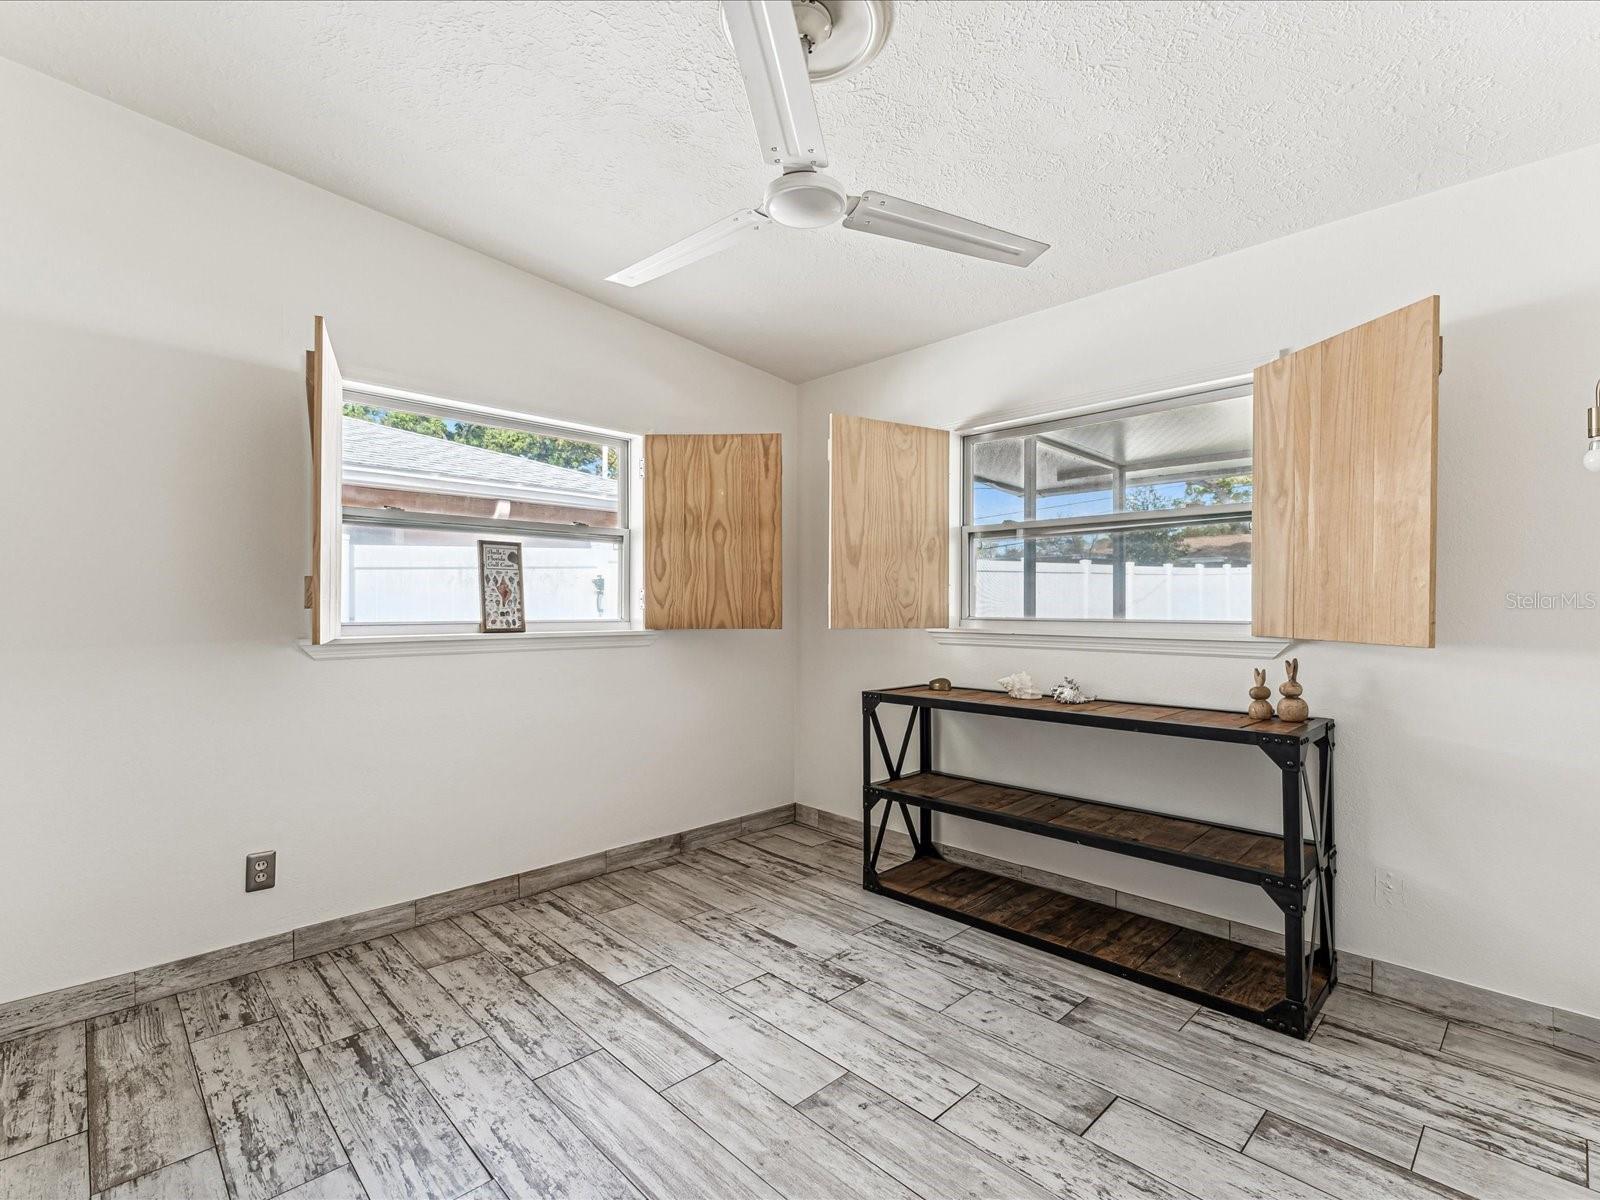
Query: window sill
point(1139, 637)
point(477, 643)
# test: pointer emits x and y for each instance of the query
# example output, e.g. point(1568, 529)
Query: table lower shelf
point(1211, 970)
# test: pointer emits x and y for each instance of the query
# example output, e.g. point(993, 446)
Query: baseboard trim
point(83, 1001)
point(1451, 998)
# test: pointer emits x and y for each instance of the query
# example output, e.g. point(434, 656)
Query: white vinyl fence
point(404, 584)
point(1066, 590)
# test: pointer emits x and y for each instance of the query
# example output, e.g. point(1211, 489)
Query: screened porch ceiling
point(1143, 444)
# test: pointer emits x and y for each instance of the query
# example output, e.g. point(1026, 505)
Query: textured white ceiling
point(571, 139)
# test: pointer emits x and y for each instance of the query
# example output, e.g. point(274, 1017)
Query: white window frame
point(360, 639)
point(1218, 637)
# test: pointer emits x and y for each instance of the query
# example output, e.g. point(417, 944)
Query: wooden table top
point(1112, 713)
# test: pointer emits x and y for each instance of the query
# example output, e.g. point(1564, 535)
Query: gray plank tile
point(399, 1141)
point(926, 1158)
point(681, 946)
point(1099, 893)
point(662, 1152)
point(958, 961)
point(790, 1152)
point(416, 1013)
point(270, 1129)
point(53, 1171)
point(1488, 1108)
point(342, 1184)
point(758, 861)
point(512, 940)
point(1388, 1020)
point(654, 1050)
point(169, 979)
point(649, 850)
point(1336, 1168)
point(903, 973)
point(791, 895)
point(485, 1191)
point(815, 938)
point(660, 895)
point(1062, 1162)
point(806, 835)
point(883, 907)
point(1073, 978)
point(437, 942)
point(221, 1007)
point(528, 1144)
point(195, 1178)
point(1285, 1087)
point(1486, 1175)
point(591, 942)
point(768, 954)
point(715, 864)
point(1191, 1162)
point(467, 899)
point(1070, 1101)
point(1485, 1107)
point(523, 1023)
point(42, 1089)
point(316, 1002)
point(712, 890)
point(1464, 1002)
point(145, 1111)
point(915, 1079)
point(542, 879)
point(589, 896)
point(766, 1054)
point(829, 857)
point(359, 927)
point(1577, 1033)
point(1534, 1061)
point(50, 1010)
point(1218, 1115)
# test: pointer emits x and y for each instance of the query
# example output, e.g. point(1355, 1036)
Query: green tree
point(558, 452)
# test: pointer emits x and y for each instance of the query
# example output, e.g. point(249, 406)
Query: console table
point(1295, 866)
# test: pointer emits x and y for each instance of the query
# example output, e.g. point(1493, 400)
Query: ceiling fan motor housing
point(805, 200)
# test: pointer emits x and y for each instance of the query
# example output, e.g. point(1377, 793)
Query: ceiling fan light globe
point(805, 200)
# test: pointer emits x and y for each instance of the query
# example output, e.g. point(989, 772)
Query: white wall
point(156, 296)
point(1469, 770)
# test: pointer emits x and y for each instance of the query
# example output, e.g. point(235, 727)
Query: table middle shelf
point(1248, 855)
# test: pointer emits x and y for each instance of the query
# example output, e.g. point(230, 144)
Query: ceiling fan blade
point(889, 217)
point(773, 63)
point(693, 248)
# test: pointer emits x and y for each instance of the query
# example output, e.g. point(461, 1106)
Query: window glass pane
point(1166, 573)
point(402, 460)
point(1183, 457)
point(394, 575)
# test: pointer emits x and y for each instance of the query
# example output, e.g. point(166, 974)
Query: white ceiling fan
point(781, 45)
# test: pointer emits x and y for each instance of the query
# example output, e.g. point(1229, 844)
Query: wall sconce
point(1592, 458)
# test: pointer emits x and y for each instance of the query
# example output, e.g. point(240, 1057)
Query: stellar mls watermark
point(1548, 601)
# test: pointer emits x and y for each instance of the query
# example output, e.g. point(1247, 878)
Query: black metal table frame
point(1296, 892)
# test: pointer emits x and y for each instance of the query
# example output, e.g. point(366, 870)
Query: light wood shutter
point(889, 525)
point(713, 529)
point(325, 390)
point(1346, 451)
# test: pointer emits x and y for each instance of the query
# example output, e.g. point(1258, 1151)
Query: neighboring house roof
point(381, 455)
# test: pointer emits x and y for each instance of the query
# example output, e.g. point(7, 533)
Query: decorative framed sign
point(500, 587)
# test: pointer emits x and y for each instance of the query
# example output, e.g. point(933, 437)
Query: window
point(1140, 513)
point(422, 481)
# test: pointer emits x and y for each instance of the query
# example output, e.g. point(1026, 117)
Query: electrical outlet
point(260, 870)
point(1391, 889)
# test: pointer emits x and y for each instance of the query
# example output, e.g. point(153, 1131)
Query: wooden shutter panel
point(713, 529)
point(326, 389)
point(889, 525)
point(1346, 448)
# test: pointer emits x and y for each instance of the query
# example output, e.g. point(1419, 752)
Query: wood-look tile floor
point(742, 1021)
